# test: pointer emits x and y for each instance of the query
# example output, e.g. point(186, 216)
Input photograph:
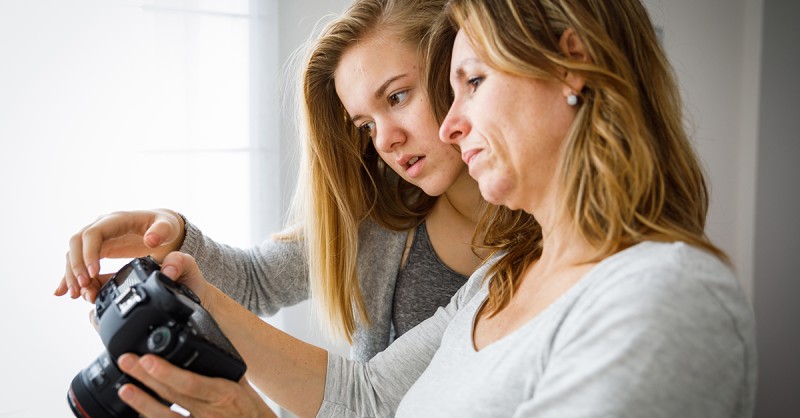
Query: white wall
point(714, 46)
point(107, 106)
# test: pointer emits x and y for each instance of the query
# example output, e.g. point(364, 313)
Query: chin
point(435, 186)
point(492, 197)
point(496, 193)
point(432, 190)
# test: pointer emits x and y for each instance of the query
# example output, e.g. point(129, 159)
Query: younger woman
point(386, 210)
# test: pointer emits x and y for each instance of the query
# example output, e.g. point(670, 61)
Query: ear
point(573, 48)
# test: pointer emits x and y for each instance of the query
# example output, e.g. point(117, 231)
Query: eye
point(397, 98)
point(367, 128)
point(474, 82)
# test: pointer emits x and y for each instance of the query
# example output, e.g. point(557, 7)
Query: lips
point(412, 164)
point(407, 161)
point(469, 155)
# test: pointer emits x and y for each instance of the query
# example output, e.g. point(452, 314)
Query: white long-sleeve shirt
point(657, 330)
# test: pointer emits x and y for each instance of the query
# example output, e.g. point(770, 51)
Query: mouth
point(409, 161)
point(469, 155)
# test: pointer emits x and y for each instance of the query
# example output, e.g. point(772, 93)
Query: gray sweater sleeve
point(263, 279)
point(274, 275)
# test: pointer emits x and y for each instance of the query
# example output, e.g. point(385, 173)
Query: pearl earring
point(572, 99)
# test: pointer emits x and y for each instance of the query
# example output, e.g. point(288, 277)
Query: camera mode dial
point(160, 340)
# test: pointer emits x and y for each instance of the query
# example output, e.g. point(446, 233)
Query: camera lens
point(93, 391)
point(160, 340)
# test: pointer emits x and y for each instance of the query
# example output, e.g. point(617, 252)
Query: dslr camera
point(140, 310)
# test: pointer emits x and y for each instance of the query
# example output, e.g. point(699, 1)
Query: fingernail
point(71, 291)
point(92, 271)
point(170, 271)
point(125, 393)
point(85, 295)
point(82, 279)
point(147, 363)
point(153, 240)
point(126, 361)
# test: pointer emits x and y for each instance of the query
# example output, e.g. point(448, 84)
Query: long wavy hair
point(630, 173)
point(343, 181)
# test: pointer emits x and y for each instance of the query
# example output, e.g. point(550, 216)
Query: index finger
point(171, 382)
point(113, 226)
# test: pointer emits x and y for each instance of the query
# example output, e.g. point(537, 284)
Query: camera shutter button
point(160, 340)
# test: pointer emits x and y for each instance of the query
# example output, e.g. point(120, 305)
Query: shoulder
point(666, 267)
point(371, 234)
point(669, 286)
point(478, 281)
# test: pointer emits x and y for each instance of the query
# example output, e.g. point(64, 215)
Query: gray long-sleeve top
point(274, 274)
point(657, 330)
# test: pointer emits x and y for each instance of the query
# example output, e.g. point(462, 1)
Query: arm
point(286, 369)
point(306, 379)
point(263, 278)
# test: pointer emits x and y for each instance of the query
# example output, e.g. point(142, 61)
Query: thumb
point(182, 268)
point(162, 232)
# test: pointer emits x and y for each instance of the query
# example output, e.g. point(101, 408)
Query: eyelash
point(393, 98)
point(474, 82)
point(367, 128)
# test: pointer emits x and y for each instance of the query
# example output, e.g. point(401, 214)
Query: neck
point(463, 197)
point(562, 244)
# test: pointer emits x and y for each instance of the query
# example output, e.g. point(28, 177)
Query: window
point(115, 105)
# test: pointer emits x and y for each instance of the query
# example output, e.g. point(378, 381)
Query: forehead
point(373, 60)
point(462, 52)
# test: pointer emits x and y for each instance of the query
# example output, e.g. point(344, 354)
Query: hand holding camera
point(142, 311)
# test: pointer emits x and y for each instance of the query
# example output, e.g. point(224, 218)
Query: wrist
point(211, 298)
point(181, 224)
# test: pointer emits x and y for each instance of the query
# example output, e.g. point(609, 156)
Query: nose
point(387, 136)
point(454, 127)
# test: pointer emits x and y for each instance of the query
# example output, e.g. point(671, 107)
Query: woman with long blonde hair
point(384, 211)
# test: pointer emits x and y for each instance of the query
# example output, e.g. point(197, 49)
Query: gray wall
point(777, 247)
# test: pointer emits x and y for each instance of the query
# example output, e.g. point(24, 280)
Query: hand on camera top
point(182, 268)
point(117, 235)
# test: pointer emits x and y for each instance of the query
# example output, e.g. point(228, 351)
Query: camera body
point(142, 311)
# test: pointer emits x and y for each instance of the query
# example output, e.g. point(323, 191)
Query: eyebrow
point(459, 69)
point(381, 90)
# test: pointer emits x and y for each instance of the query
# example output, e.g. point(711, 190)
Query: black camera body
point(142, 311)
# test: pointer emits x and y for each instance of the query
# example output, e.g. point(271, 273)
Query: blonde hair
point(343, 180)
point(630, 173)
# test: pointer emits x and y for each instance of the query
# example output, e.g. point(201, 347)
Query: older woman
point(603, 297)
